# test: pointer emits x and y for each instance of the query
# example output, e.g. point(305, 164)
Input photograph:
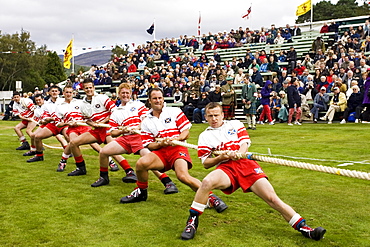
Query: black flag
point(151, 29)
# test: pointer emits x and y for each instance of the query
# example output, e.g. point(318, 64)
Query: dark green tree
point(325, 10)
point(54, 71)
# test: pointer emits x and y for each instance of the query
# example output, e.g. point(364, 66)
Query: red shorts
point(243, 173)
point(131, 143)
point(25, 122)
point(100, 134)
point(54, 129)
point(170, 154)
point(78, 130)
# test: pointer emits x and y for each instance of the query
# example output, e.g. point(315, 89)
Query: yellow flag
point(303, 8)
point(68, 55)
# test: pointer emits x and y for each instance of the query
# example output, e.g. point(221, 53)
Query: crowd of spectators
point(188, 77)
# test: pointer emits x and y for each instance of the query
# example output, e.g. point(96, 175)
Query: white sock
point(198, 206)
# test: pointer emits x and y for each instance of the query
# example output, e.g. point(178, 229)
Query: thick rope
point(303, 165)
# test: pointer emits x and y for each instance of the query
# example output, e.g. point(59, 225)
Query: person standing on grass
point(24, 108)
point(169, 123)
point(39, 109)
point(128, 114)
point(228, 98)
point(233, 172)
point(266, 94)
point(68, 114)
point(48, 126)
point(249, 95)
point(96, 108)
point(294, 102)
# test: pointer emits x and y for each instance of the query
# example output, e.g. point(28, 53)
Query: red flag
point(199, 21)
point(248, 12)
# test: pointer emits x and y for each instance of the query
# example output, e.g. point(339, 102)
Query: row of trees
point(325, 10)
point(21, 60)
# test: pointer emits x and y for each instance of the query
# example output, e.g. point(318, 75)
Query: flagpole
point(73, 57)
point(311, 15)
point(155, 27)
point(199, 27)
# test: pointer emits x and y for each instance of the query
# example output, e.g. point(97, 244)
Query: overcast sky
point(95, 24)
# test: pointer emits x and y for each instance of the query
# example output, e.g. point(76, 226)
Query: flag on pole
point(303, 8)
point(68, 55)
point(199, 21)
point(248, 12)
point(151, 29)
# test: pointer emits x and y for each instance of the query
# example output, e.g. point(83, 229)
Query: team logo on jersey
point(231, 132)
point(133, 109)
point(167, 120)
point(97, 106)
point(182, 154)
point(258, 170)
point(77, 107)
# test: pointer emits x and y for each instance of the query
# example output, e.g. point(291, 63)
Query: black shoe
point(78, 172)
point(35, 159)
point(315, 234)
point(23, 146)
point(113, 166)
point(171, 188)
point(29, 153)
point(100, 182)
point(249, 128)
point(191, 228)
point(61, 166)
point(130, 177)
point(217, 203)
point(137, 195)
point(253, 128)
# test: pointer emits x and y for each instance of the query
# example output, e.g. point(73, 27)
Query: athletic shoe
point(137, 195)
point(113, 166)
point(191, 228)
point(254, 128)
point(290, 124)
point(217, 203)
point(260, 122)
point(356, 121)
point(61, 166)
point(315, 120)
point(170, 188)
point(35, 159)
point(130, 177)
point(343, 121)
point(323, 118)
point(30, 153)
point(249, 127)
point(272, 123)
point(297, 123)
point(100, 182)
point(315, 234)
point(24, 146)
point(78, 172)
point(330, 122)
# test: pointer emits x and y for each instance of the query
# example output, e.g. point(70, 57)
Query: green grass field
point(40, 207)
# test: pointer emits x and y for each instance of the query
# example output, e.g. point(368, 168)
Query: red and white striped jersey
point(67, 112)
point(50, 108)
point(98, 109)
point(24, 108)
point(39, 110)
point(170, 123)
point(230, 136)
point(129, 115)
